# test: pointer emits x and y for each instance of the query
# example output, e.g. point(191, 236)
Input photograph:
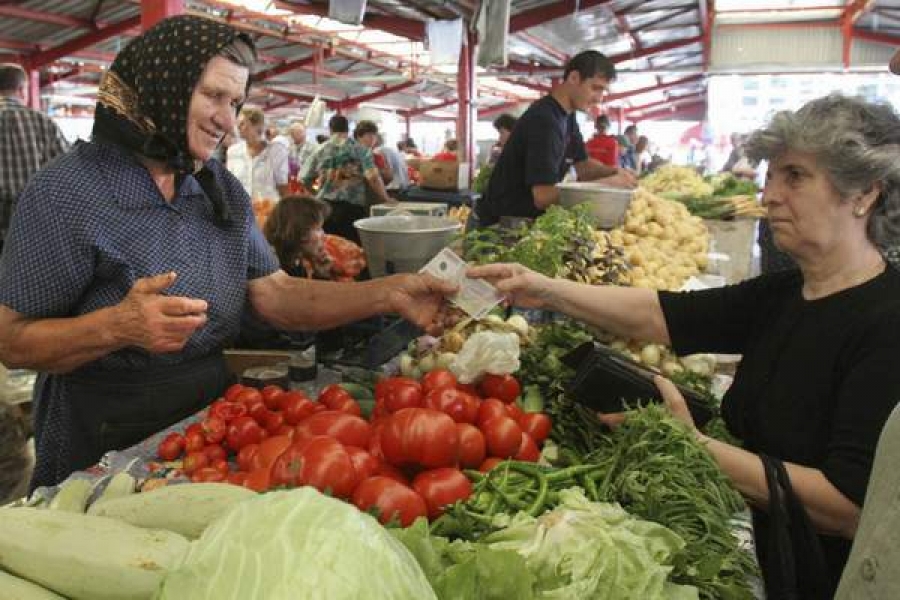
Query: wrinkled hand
point(158, 323)
point(420, 299)
point(520, 285)
point(674, 401)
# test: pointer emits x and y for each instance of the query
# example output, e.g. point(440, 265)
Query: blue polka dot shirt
point(86, 228)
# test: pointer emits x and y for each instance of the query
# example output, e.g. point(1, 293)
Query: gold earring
point(859, 211)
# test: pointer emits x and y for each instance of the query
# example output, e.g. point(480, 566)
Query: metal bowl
point(403, 243)
point(608, 204)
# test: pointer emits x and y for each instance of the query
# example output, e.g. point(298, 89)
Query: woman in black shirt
point(819, 373)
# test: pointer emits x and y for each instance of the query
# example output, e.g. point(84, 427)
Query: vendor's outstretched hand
point(625, 178)
point(420, 299)
point(521, 286)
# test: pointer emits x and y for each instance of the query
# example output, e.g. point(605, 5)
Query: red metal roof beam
point(45, 57)
point(44, 17)
point(498, 108)
point(672, 15)
point(618, 58)
point(290, 65)
point(667, 102)
point(408, 28)
point(653, 88)
point(851, 13)
point(542, 14)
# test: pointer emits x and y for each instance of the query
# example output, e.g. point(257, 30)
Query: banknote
point(476, 297)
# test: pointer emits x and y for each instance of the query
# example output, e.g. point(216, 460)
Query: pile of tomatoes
point(402, 464)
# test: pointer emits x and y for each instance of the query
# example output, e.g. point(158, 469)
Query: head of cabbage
point(296, 544)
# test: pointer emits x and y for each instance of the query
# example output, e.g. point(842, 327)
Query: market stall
point(472, 450)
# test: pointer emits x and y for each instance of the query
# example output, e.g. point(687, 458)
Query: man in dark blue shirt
point(546, 141)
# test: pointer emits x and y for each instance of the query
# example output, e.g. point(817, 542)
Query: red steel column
point(34, 89)
point(154, 11)
point(465, 87)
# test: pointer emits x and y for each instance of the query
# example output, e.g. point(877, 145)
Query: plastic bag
point(486, 352)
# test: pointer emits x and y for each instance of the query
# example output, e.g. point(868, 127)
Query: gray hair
point(855, 141)
point(241, 52)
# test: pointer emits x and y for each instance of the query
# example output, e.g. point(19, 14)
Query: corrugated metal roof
point(652, 41)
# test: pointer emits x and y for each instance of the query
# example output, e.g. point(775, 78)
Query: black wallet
point(606, 381)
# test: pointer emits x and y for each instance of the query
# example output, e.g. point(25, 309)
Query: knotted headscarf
point(145, 94)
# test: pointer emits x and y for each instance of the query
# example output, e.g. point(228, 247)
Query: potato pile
point(663, 243)
point(678, 180)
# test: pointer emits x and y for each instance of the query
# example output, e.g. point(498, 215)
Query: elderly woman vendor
point(820, 344)
point(129, 259)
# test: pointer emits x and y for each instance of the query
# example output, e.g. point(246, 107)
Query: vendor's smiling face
point(214, 103)
point(806, 213)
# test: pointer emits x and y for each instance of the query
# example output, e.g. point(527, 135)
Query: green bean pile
point(655, 469)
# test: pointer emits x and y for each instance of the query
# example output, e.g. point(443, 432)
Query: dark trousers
point(340, 222)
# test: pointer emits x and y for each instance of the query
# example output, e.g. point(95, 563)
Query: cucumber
point(122, 484)
point(72, 495)
point(84, 557)
point(186, 509)
point(15, 588)
point(358, 391)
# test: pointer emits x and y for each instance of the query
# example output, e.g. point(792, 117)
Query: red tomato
point(194, 441)
point(436, 379)
point(442, 487)
point(242, 431)
point(221, 465)
point(256, 408)
point(258, 481)
point(489, 464)
point(490, 409)
point(462, 407)
point(537, 425)
point(214, 430)
point(380, 411)
point(332, 393)
point(285, 430)
point(385, 385)
point(506, 388)
point(346, 405)
point(193, 428)
point(321, 462)
point(227, 411)
point(270, 395)
point(392, 500)
point(249, 395)
point(215, 452)
point(515, 413)
point(402, 395)
point(296, 407)
point(528, 450)
point(420, 436)
point(194, 461)
point(471, 445)
point(171, 447)
point(232, 392)
point(469, 389)
point(364, 463)
point(503, 436)
point(237, 478)
point(273, 421)
point(245, 456)
point(207, 474)
point(269, 450)
point(374, 447)
point(347, 429)
point(392, 472)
